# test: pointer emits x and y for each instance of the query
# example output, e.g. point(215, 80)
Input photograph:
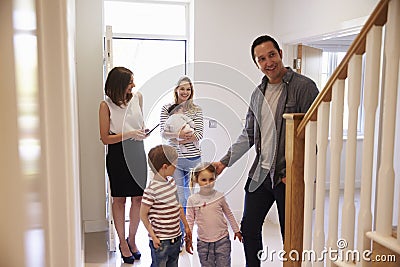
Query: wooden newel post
point(294, 211)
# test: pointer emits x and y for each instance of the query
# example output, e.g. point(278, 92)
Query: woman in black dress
point(122, 130)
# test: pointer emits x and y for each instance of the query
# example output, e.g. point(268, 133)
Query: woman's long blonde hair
point(188, 105)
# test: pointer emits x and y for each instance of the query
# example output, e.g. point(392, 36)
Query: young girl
point(207, 208)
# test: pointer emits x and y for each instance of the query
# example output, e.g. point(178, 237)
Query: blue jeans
point(215, 254)
point(167, 254)
point(181, 176)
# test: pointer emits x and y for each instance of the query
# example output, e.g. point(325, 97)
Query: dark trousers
point(256, 206)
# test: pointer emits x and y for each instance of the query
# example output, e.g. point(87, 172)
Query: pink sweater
point(208, 211)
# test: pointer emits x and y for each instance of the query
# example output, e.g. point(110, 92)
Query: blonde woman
point(190, 156)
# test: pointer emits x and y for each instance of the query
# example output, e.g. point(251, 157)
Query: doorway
point(157, 56)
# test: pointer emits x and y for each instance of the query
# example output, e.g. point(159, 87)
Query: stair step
point(382, 252)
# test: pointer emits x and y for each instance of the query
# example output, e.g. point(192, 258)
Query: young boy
point(160, 211)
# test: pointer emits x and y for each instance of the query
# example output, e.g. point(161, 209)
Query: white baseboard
point(95, 226)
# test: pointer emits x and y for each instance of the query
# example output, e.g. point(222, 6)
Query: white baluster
point(371, 95)
point(398, 220)
point(349, 210)
point(310, 161)
point(386, 171)
point(336, 151)
point(322, 143)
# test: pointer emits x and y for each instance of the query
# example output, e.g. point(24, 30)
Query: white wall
point(223, 33)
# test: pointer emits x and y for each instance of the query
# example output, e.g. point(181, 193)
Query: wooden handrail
point(378, 17)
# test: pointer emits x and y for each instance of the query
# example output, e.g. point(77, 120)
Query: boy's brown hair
point(160, 155)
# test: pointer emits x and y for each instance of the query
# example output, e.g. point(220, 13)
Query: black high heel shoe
point(129, 259)
point(136, 254)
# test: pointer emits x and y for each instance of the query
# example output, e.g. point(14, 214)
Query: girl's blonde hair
point(203, 166)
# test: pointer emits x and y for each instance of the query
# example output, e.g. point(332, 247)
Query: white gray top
point(125, 118)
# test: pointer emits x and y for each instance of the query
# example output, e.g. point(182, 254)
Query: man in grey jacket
point(281, 91)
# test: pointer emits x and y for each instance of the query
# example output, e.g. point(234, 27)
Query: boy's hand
point(188, 240)
point(189, 246)
point(156, 242)
point(188, 234)
point(239, 236)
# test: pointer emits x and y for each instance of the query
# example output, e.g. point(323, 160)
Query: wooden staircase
point(378, 44)
point(378, 250)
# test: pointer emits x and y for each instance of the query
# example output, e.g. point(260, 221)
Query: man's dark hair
point(260, 40)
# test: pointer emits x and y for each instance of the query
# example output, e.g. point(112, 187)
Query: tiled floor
point(96, 254)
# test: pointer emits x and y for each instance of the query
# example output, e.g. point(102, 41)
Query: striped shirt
point(164, 213)
point(196, 115)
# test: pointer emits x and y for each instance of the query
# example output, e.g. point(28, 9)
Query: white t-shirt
point(268, 136)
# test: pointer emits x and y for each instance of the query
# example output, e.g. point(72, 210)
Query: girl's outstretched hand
point(239, 236)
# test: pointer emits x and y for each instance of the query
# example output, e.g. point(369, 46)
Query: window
point(330, 60)
point(146, 18)
point(148, 57)
point(148, 37)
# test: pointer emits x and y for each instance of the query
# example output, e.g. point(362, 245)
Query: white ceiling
point(335, 43)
